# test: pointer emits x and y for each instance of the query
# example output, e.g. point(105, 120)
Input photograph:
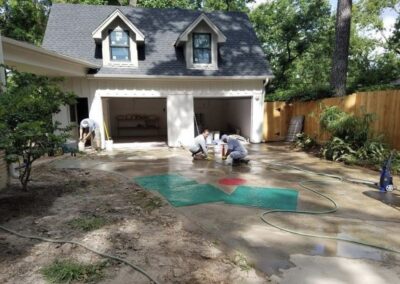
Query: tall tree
point(394, 40)
point(341, 50)
point(295, 36)
point(187, 4)
point(23, 20)
point(227, 5)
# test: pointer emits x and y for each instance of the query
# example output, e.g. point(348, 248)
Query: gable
point(117, 15)
point(70, 31)
point(201, 20)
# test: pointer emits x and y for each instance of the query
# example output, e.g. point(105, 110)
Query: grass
point(87, 224)
point(67, 271)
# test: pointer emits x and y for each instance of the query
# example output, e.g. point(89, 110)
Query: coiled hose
point(333, 209)
point(109, 256)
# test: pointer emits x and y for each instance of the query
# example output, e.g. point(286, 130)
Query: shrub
point(305, 142)
point(351, 141)
point(26, 126)
point(354, 130)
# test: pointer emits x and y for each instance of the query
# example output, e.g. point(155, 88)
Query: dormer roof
point(97, 33)
point(183, 37)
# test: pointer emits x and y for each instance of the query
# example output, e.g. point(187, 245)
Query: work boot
point(236, 162)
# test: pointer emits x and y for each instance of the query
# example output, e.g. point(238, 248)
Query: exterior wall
point(3, 171)
point(118, 24)
point(179, 94)
point(180, 118)
point(202, 28)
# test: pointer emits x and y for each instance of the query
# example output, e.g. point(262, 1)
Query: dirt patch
point(135, 225)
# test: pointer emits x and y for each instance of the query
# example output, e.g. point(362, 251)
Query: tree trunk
point(341, 51)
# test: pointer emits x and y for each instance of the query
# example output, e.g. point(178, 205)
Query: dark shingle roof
point(69, 31)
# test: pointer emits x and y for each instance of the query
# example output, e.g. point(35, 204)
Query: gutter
point(34, 48)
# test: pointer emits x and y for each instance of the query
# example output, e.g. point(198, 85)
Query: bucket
point(81, 146)
point(109, 145)
point(216, 135)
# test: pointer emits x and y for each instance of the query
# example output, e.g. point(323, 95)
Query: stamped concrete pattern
point(364, 213)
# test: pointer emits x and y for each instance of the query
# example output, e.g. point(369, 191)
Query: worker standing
point(199, 149)
point(236, 150)
point(90, 129)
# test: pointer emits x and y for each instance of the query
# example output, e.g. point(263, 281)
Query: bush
point(26, 126)
point(354, 130)
point(351, 141)
point(305, 142)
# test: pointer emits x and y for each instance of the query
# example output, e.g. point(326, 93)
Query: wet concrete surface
point(364, 213)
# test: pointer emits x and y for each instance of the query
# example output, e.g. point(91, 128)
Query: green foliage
point(350, 128)
point(67, 271)
point(227, 5)
point(23, 20)
point(26, 109)
point(165, 4)
point(337, 150)
point(305, 142)
point(351, 141)
point(296, 36)
point(87, 224)
point(394, 41)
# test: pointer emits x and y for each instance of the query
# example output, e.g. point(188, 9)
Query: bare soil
point(140, 227)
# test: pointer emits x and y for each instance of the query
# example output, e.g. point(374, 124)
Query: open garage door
point(226, 115)
point(132, 120)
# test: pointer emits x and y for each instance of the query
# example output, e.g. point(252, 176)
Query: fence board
point(3, 171)
point(385, 105)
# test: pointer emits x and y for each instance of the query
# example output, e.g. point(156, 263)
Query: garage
point(131, 120)
point(226, 115)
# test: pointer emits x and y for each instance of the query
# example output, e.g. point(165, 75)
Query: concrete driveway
point(364, 213)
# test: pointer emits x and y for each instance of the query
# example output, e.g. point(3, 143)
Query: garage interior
point(226, 115)
point(131, 120)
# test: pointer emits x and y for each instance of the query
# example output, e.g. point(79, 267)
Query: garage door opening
point(130, 120)
point(226, 115)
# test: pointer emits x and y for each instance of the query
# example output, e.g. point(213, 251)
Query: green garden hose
point(109, 256)
point(327, 211)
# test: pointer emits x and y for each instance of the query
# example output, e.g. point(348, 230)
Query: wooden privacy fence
point(385, 105)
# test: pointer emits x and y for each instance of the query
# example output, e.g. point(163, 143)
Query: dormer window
point(201, 40)
point(118, 40)
point(119, 46)
point(201, 48)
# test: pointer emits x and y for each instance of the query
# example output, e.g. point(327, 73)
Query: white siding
point(96, 89)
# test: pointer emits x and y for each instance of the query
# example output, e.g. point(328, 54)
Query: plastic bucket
point(81, 146)
point(109, 145)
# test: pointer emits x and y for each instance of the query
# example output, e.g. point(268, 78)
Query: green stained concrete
point(181, 191)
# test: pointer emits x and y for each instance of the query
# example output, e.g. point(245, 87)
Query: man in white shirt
point(199, 148)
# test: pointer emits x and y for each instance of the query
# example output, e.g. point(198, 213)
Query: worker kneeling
point(90, 129)
point(236, 150)
point(199, 149)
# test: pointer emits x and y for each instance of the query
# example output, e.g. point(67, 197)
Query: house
point(145, 74)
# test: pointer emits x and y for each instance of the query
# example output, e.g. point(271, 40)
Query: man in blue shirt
point(235, 150)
